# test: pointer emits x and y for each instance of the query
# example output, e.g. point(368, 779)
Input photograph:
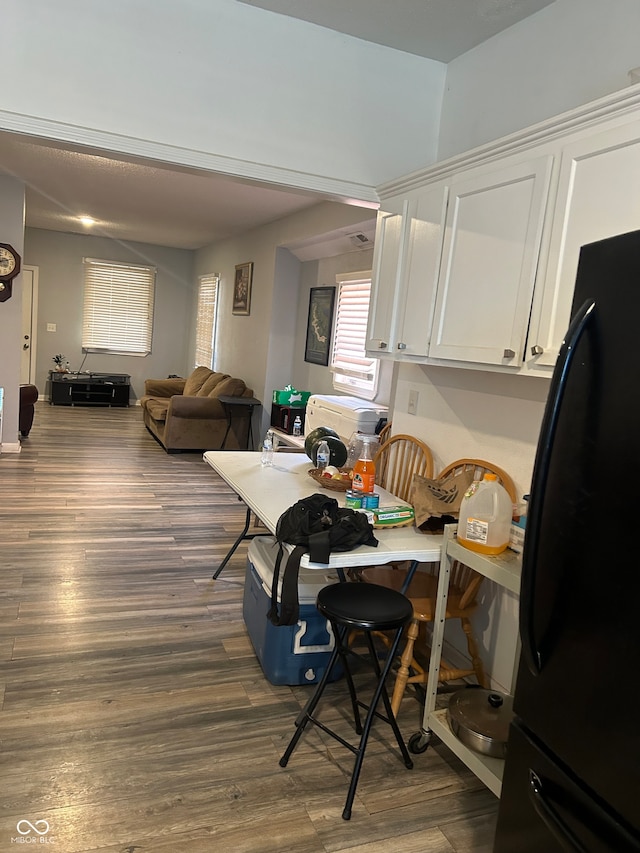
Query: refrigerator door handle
point(531, 650)
point(550, 816)
point(600, 826)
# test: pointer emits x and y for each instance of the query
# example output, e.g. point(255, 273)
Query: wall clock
point(9, 269)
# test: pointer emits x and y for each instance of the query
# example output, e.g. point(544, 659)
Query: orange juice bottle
point(364, 471)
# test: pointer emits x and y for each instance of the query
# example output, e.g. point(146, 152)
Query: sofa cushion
point(195, 381)
point(210, 383)
point(157, 407)
point(230, 387)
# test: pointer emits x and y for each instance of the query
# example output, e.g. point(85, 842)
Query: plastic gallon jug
point(484, 522)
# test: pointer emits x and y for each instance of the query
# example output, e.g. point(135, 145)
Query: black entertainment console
point(89, 389)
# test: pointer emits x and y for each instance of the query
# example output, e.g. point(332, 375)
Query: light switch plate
point(412, 407)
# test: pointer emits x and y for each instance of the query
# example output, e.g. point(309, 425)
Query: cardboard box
point(288, 654)
point(291, 397)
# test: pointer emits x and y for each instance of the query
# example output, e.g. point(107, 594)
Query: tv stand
point(89, 389)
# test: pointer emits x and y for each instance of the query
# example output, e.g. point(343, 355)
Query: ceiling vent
point(360, 240)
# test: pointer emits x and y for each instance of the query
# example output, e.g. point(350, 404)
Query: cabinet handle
point(509, 353)
point(382, 345)
point(402, 346)
point(537, 350)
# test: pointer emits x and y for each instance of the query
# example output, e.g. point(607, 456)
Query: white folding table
point(268, 491)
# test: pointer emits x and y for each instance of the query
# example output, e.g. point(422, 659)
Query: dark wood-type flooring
point(134, 715)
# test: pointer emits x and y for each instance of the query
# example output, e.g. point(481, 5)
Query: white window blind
point(353, 370)
point(118, 307)
point(206, 320)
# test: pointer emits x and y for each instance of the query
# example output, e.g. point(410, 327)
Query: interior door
point(29, 287)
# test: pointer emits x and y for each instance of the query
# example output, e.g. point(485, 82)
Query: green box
point(291, 397)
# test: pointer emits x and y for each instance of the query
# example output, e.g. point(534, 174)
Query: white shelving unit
point(294, 441)
point(505, 570)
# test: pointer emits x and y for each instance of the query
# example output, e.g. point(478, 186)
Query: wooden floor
point(134, 714)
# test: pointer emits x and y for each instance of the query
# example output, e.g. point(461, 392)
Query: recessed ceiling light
point(87, 220)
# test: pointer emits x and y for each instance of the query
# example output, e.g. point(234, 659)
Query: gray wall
point(59, 259)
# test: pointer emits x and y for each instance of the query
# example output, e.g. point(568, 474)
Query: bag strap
point(289, 605)
point(320, 546)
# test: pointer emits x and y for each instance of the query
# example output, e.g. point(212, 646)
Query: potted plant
point(62, 365)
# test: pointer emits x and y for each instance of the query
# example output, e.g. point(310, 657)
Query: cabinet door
point(417, 293)
point(387, 272)
point(598, 196)
point(490, 254)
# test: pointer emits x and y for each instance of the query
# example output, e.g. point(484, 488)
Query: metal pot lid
point(484, 712)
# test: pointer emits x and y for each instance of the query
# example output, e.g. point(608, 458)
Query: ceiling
point(134, 200)
point(435, 29)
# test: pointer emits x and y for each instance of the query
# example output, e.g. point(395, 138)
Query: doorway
point(29, 285)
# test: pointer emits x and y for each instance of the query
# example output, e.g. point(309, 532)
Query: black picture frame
point(319, 325)
point(242, 289)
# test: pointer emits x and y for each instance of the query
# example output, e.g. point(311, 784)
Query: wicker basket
point(327, 483)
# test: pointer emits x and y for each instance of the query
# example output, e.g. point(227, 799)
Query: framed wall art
point(319, 325)
point(242, 289)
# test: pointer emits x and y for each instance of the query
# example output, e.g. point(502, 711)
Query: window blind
point(118, 307)
point(206, 320)
point(353, 369)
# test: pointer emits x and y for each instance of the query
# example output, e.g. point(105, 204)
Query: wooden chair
point(385, 432)
point(464, 586)
point(398, 459)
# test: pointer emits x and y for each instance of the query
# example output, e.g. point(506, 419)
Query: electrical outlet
point(51, 327)
point(412, 407)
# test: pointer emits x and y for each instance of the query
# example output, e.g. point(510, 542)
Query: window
point(353, 370)
point(206, 320)
point(118, 307)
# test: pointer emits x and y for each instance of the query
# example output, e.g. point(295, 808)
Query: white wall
point(223, 77)
point(12, 231)
point(61, 282)
point(265, 348)
point(491, 416)
point(569, 53)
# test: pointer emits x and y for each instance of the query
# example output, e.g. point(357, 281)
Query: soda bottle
point(364, 471)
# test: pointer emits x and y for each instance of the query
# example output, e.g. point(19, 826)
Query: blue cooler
point(288, 654)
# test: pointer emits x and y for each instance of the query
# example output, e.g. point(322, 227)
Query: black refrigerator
point(572, 772)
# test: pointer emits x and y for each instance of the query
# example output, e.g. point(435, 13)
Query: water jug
point(484, 522)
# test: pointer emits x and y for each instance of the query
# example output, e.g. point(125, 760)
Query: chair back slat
point(398, 459)
point(480, 467)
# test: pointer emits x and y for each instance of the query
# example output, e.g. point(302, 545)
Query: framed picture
point(242, 289)
point(319, 325)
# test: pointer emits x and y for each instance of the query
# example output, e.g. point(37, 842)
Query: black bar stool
point(368, 608)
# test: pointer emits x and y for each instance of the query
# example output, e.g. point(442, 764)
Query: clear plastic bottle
point(297, 425)
point(484, 522)
point(322, 455)
point(267, 450)
point(364, 471)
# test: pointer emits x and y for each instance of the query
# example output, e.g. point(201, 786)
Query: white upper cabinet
point(598, 196)
point(387, 271)
point(408, 235)
point(489, 262)
point(475, 264)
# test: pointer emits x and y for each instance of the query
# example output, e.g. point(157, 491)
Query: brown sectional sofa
point(185, 414)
